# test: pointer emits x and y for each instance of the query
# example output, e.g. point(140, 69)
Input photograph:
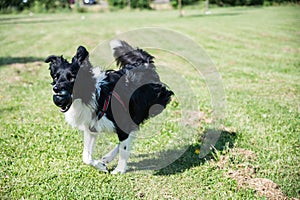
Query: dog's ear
point(81, 55)
point(55, 60)
point(51, 59)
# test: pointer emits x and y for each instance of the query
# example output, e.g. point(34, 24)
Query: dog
point(117, 101)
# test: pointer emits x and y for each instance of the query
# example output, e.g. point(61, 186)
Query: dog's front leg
point(89, 143)
point(124, 152)
point(110, 155)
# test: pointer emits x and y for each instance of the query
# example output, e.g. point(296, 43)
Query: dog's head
point(64, 74)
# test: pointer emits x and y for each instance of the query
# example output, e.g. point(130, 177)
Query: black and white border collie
point(117, 101)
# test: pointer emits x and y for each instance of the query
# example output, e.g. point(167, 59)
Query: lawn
point(255, 50)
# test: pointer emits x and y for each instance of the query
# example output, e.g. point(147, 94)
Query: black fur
point(126, 55)
point(136, 76)
point(64, 75)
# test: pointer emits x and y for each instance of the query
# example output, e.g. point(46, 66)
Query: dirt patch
point(266, 187)
point(26, 67)
point(18, 69)
point(194, 118)
point(290, 50)
point(244, 174)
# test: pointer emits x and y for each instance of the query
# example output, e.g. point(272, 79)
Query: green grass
point(256, 51)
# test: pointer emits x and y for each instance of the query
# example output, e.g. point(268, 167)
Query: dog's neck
point(83, 109)
point(84, 87)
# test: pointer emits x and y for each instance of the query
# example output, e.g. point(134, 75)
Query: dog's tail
point(127, 55)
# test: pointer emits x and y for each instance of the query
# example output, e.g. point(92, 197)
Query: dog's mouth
point(61, 93)
point(64, 109)
point(63, 100)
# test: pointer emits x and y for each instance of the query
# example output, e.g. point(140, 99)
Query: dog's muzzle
point(62, 99)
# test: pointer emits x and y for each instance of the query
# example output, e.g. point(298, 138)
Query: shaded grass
point(256, 51)
point(13, 60)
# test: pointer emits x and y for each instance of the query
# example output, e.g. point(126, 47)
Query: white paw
point(107, 159)
point(111, 155)
point(87, 161)
point(100, 166)
point(118, 171)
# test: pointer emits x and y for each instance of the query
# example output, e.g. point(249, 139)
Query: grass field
point(256, 51)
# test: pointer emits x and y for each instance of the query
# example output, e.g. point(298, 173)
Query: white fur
point(98, 73)
point(80, 115)
point(89, 143)
point(124, 153)
point(110, 155)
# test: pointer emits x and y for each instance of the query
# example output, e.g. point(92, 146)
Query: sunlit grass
point(256, 51)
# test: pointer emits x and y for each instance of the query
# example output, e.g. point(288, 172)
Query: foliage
point(141, 4)
point(237, 2)
point(174, 3)
point(250, 2)
point(34, 5)
point(118, 3)
point(277, 2)
point(7, 6)
point(14, 6)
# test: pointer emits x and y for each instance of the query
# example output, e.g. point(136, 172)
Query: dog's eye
point(71, 78)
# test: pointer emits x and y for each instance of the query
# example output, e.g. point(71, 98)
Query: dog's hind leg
point(124, 152)
point(89, 143)
point(110, 155)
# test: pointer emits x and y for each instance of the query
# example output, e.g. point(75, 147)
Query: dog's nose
point(55, 89)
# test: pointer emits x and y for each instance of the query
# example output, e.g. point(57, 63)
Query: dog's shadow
point(195, 154)
point(19, 60)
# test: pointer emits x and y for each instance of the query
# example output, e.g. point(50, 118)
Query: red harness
point(116, 95)
point(106, 104)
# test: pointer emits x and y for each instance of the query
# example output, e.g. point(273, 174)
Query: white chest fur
point(80, 115)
